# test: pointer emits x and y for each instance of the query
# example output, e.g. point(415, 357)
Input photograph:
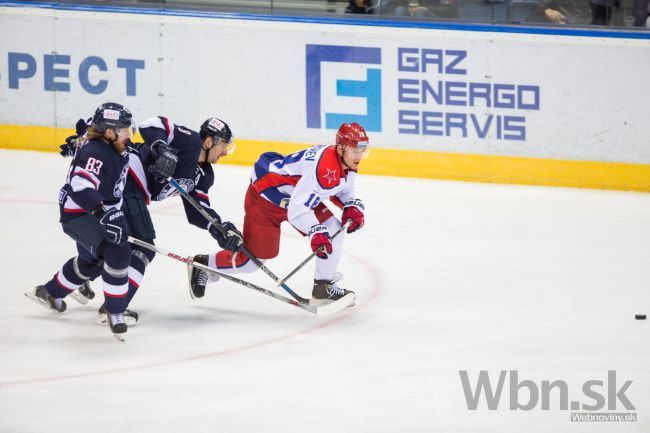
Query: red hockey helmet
point(353, 135)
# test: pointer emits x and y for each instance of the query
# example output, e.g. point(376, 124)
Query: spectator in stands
point(561, 12)
point(359, 7)
point(413, 8)
point(640, 9)
point(444, 8)
point(602, 11)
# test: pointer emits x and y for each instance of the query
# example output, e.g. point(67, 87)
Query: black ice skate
point(130, 317)
point(83, 294)
point(117, 325)
point(325, 292)
point(198, 278)
point(40, 295)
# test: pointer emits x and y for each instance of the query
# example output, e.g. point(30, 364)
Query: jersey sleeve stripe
point(160, 123)
point(154, 122)
point(91, 177)
point(272, 180)
point(169, 129)
point(80, 182)
point(336, 201)
point(136, 171)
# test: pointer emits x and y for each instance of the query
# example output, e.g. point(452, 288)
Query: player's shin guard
point(230, 262)
point(326, 268)
point(87, 268)
point(115, 276)
point(65, 281)
point(140, 259)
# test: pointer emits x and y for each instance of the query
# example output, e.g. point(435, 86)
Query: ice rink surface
point(449, 276)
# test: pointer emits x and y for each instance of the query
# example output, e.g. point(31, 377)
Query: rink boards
point(465, 102)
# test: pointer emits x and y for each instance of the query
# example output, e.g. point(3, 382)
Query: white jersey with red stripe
point(302, 180)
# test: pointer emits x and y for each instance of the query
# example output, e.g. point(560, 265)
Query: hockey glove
point(320, 241)
point(353, 210)
point(82, 126)
point(114, 225)
point(166, 158)
point(69, 148)
point(227, 235)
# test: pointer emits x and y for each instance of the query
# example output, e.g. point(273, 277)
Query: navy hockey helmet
point(112, 115)
point(216, 128)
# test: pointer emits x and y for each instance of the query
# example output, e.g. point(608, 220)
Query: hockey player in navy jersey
point(169, 150)
point(293, 189)
point(91, 214)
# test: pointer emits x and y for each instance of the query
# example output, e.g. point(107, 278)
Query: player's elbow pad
point(87, 198)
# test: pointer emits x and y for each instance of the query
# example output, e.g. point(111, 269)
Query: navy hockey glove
point(114, 224)
point(353, 210)
point(320, 241)
point(82, 126)
point(69, 148)
point(227, 236)
point(72, 143)
point(166, 160)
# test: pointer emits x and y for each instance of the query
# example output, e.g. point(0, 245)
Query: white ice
point(449, 276)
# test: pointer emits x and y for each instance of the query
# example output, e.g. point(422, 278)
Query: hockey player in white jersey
point(293, 189)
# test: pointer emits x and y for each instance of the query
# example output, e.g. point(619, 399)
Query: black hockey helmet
point(111, 115)
point(216, 128)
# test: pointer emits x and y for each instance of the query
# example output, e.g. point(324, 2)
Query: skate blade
point(102, 319)
point(39, 301)
point(325, 302)
point(120, 337)
point(77, 296)
point(325, 307)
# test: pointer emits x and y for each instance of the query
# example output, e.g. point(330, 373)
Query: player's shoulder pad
point(95, 149)
point(328, 169)
point(158, 122)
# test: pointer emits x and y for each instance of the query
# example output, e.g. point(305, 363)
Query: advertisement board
point(427, 94)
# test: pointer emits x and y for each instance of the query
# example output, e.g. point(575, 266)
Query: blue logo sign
point(370, 89)
point(57, 71)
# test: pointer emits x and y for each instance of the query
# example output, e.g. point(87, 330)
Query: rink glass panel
point(575, 13)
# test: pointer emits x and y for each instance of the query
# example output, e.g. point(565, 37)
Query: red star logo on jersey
point(330, 176)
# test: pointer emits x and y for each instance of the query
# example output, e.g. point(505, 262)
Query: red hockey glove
point(320, 238)
point(353, 210)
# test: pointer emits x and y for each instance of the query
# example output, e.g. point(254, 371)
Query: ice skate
point(40, 295)
point(325, 292)
point(130, 317)
point(198, 278)
point(83, 294)
point(117, 325)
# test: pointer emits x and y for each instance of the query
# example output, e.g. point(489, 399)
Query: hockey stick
point(332, 308)
point(311, 256)
point(243, 249)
